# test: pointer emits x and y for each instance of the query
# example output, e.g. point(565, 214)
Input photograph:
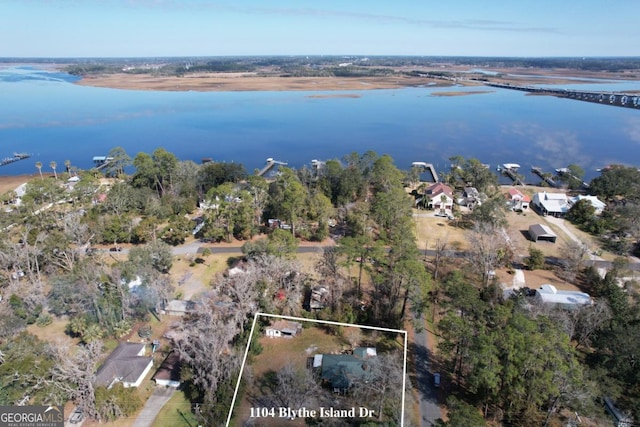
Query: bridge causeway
point(618, 99)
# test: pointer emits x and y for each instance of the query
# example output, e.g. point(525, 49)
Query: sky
point(152, 28)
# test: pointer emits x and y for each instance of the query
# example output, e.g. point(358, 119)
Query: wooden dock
point(15, 158)
point(429, 167)
point(271, 163)
point(513, 175)
point(546, 178)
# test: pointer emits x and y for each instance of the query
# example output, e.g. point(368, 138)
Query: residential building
point(516, 200)
point(439, 197)
point(283, 328)
point(168, 374)
point(554, 204)
point(126, 364)
point(597, 204)
point(571, 300)
point(342, 371)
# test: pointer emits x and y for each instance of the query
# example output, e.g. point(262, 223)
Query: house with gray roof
point(342, 371)
point(126, 364)
point(554, 204)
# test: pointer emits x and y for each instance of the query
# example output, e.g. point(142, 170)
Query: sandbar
point(472, 92)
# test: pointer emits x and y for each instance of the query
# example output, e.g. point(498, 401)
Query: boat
point(512, 166)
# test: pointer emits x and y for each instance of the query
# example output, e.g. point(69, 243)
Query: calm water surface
point(45, 114)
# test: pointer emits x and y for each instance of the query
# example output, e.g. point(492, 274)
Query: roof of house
point(552, 202)
point(126, 363)
point(595, 202)
point(170, 368)
point(286, 326)
point(437, 189)
point(341, 370)
point(178, 305)
point(550, 294)
point(517, 194)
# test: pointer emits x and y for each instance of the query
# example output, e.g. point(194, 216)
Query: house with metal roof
point(541, 232)
point(554, 204)
point(549, 294)
point(597, 204)
point(283, 328)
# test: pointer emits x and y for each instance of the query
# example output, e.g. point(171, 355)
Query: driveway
point(151, 409)
point(427, 393)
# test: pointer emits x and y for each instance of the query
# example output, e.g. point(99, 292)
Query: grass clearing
point(176, 413)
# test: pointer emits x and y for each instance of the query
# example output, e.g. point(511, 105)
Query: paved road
point(429, 409)
point(151, 408)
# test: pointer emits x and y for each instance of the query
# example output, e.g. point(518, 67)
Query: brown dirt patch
point(247, 82)
point(430, 229)
point(10, 183)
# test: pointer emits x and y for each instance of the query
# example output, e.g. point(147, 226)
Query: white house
point(597, 204)
point(554, 204)
point(516, 200)
point(439, 197)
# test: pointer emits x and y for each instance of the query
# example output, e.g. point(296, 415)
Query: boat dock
point(429, 167)
point(15, 158)
point(271, 163)
point(546, 178)
point(510, 170)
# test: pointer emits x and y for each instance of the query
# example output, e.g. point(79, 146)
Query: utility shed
point(541, 232)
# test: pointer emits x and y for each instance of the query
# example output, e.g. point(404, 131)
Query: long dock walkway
point(538, 171)
point(271, 163)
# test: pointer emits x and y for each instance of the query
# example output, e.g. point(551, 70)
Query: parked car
point(436, 380)
point(76, 416)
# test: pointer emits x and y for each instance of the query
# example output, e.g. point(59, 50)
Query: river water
point(45, 114)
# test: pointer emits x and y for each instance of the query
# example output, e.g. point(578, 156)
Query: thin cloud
point(471, 24)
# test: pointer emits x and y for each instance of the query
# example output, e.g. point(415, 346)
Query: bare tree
point(488, 249)
point(74, 374)
point(575, 254)
point(294, 387)
point(382, 389)
point(441, 253)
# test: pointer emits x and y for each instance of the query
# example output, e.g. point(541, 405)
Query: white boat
point(510, 165)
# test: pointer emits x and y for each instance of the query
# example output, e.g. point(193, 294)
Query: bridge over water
point(618, 99)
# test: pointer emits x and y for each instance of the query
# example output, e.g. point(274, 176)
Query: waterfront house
point(554, 204)
point(439, 197)
point(516, 200)
point(470, 198)
point(127, 364)
point(597, 204)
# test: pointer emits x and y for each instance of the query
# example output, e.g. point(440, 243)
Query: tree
point(293, 387)
point(67, 166)
point(74, 374)
point(617, 180)
point(53, 166)
point(119, 160)
point(382, 389)
point(575, 253)
point(535, 260)
point(288, 198)
point(581, 212)
point(39, 166)
point(488, 249)
point(461, 414)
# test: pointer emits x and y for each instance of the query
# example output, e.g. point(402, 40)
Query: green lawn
point(176, 413)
